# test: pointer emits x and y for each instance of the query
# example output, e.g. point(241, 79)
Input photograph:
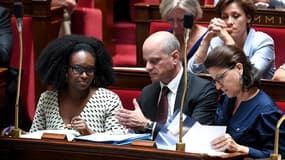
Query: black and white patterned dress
point(99, 112)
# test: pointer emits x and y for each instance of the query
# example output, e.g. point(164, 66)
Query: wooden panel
point(18, 149)
point(137, 78)
point(146, 13)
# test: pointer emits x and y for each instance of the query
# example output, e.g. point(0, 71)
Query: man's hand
point(133, 119)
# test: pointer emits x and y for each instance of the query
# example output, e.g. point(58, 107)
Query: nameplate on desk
point(54, 136)
point(144, 143)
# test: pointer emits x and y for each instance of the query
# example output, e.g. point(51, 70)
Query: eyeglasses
point(78, 70)
point(220, 78)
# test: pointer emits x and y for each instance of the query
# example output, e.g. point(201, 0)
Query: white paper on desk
point(70, 134)
point(118, 139)
point(198, 138)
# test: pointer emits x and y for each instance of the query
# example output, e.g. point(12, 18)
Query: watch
point(149, 125)
point(282, 66)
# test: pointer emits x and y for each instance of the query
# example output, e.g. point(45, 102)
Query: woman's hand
point(218, 27)
point(80, 125)
point(226, 142)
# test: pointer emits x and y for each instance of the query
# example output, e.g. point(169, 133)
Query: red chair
point(156, 26)
point(127, 96)
point(86, 3)
point(27, 93)
point(278, 35)
point(87, 21)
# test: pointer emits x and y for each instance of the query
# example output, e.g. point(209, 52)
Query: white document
point(70, 134)
point(119, 139)
point(198, 138)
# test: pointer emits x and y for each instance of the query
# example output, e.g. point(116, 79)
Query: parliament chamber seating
point(87, 21)
point(27, 89)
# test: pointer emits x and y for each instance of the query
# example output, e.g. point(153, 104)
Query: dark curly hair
point(227, 56)
point(53, 62)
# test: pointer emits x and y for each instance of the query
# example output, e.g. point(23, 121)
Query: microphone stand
point(275, 155)
point(180, 146)
point(16, 131)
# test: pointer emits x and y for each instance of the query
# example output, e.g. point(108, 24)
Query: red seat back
point(86, 3)
point(127, 96)
point(278, 35)
point(28, 72)
point(156, 26)
point(87, 21)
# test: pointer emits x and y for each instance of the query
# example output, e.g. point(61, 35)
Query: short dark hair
point(53, 62)
point(227, 56)
point(247, 6)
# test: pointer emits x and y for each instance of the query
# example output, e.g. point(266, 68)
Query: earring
point(241, 80)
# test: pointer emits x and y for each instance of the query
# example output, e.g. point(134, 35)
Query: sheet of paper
point(114, 138)
point(198, 138)
point(70, 134)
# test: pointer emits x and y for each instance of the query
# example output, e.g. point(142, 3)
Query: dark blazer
point(6, 37)
point(200, 101)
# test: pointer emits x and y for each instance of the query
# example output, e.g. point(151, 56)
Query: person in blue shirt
point(234, 27)
point(173, 12)
point(248, 112)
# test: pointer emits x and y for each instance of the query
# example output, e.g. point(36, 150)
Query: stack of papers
point(197, 137)
point(118, 139)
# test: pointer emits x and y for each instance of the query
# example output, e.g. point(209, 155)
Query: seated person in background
point(173, 12)
point(269, 3)
point(279, 74)
point(162, 54)
point(234, 28)
point(6, 41)
point(248, 112)
point(69, 6)
point(6, 37)
point(77, 68)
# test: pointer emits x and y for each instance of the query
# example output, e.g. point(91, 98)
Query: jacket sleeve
point(6, 37)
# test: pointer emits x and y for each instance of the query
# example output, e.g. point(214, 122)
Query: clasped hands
point(80, 125)
point(132, 119)
point(218, 27)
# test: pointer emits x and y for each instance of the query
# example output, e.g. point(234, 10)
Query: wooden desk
point(3, 74)
point(146, 13)
point(19, 149)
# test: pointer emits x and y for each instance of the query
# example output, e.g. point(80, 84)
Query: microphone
point(188, 23)
point(19, 12)
point(275, 155)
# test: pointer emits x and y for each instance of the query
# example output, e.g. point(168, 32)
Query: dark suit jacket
point(200, 101)
point(6, 37)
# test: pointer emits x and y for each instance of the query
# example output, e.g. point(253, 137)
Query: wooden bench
point(132, 80)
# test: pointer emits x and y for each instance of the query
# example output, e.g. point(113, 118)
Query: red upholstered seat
point(158, 26)
point(278, 35)
point(86, 3)
point(127, 96)
point(209, 2)
point(28, 72)
point(281, 106)
point(87, 21)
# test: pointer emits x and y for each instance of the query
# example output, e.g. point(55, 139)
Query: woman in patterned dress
point(77, 68)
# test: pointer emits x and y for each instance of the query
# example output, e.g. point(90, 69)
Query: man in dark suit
point(161, 51)
point(6, 37)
